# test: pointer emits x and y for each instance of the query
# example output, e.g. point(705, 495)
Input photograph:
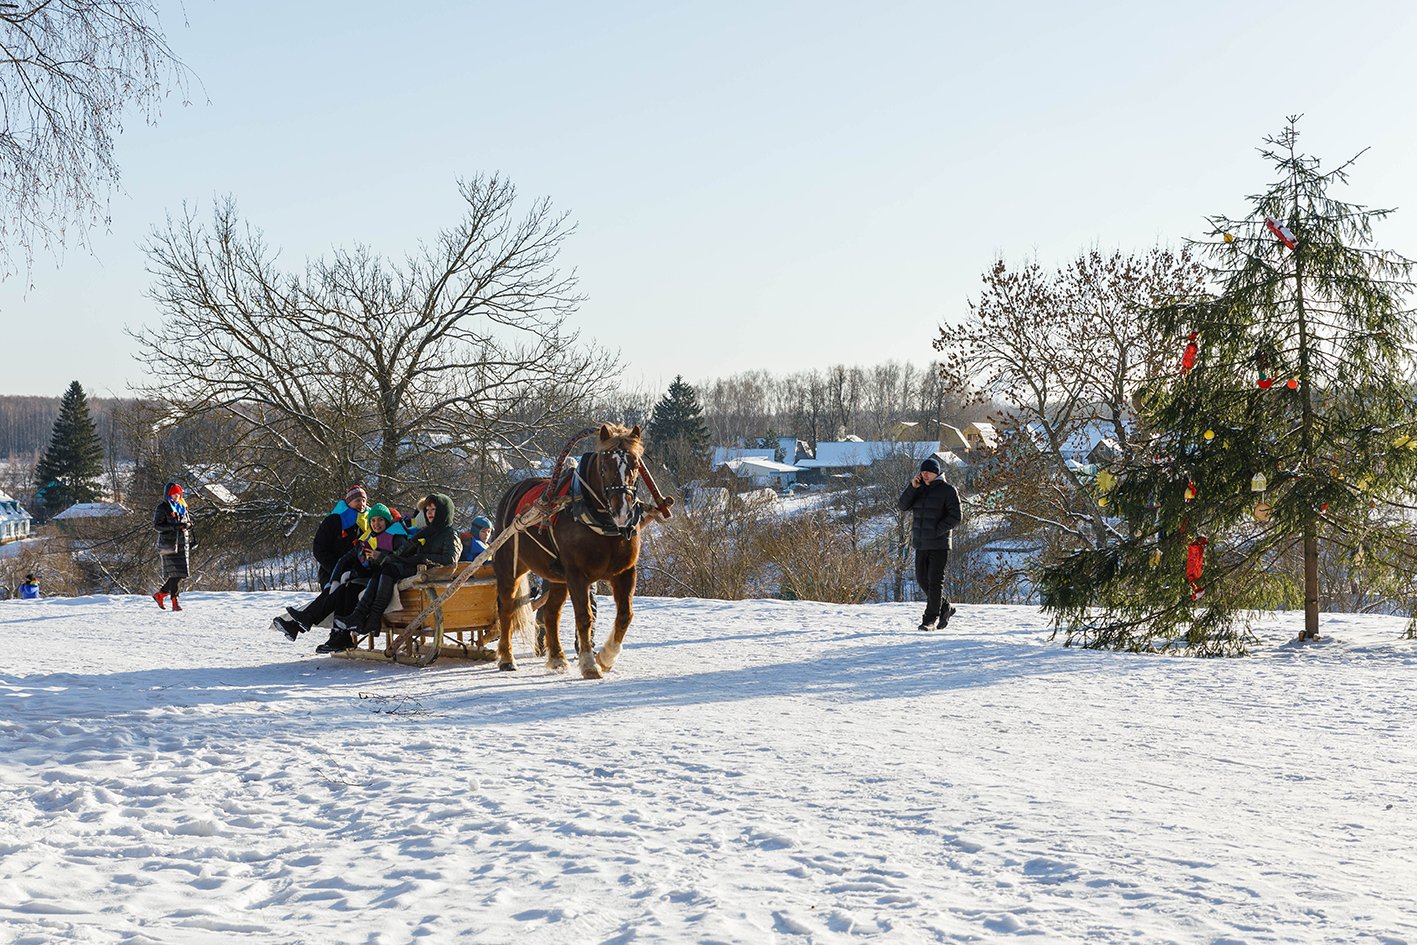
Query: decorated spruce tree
point(70, 468)
point(1277, 459)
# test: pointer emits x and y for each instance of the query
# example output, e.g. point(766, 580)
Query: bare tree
point(69, 71)
point(1056, 352)
point(358, 368)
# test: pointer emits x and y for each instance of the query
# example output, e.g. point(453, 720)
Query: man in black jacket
point(339, 532)
point(934, 507)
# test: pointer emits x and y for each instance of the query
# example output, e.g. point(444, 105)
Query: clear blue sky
point(756, 185)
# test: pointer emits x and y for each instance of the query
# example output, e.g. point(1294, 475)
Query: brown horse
point(595, 539)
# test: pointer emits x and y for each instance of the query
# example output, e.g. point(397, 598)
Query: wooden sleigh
point(445, 613)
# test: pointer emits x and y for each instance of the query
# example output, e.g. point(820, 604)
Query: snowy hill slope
point(754, 771)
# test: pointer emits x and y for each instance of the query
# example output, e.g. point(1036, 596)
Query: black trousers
point(930, 575)
point(170, 586)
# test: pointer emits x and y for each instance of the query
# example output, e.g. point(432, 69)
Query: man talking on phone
point(934, 508)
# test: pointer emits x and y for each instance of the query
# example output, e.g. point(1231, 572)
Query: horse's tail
point(523, 626)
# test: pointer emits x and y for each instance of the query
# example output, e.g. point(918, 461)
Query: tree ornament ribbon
point(1281, 231)
point(1188, 359)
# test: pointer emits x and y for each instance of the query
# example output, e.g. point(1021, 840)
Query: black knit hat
point(931, 465)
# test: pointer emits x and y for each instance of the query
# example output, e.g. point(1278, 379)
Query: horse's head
point(614, 471)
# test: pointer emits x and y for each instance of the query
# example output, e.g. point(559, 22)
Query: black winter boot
point(339, 640)
point(374, 615)
point(290, 628)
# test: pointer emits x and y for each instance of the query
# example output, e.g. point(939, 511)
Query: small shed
point(764, 473)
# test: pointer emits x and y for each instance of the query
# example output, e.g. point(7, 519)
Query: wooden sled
point(461, 625)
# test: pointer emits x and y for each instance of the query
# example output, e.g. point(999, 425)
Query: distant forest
point(26, 422)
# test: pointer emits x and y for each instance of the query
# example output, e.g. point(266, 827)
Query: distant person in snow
point(934, 508)
point(340, 531)
point(30, 589)
point(173, 525)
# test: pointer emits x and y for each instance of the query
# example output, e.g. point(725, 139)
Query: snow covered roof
point(723, 454)
point(863, 453)
point(90, 510)
point(759, 465)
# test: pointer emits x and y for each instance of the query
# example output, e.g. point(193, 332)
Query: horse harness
point(594, 515)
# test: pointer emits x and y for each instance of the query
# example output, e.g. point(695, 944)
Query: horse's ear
point(635, 433)
point(604, 432)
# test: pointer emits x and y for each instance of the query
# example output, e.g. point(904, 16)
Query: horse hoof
point(507, 667)
point(591, 672)
point(557, 665)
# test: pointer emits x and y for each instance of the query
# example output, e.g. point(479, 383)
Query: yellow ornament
point(1102, 502)
point(1229, 237)
point(1210, 434)
point(1155, 557)
point(1258, 483)
point(1105, 480)
point(1264, 511)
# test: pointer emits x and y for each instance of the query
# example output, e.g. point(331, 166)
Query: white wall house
point(764, 473)
point(15, 522)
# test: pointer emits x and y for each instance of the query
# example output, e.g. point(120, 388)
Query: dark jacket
point(435, 543)
point(174, 533)
point(935, 511)
point(338, 533)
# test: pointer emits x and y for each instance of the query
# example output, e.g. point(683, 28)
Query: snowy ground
point(751, 772)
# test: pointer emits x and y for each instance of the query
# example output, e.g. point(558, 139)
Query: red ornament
point(1195, 564)
point(1292, 383)
point(1265, 383)
point(1188, 360)
point(1190, 491)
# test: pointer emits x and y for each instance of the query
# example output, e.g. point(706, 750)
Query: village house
point(15, 522)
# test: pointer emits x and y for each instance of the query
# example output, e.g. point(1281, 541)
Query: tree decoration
point(1281, 231)
point(1195, 564)
point(1262, 363)
point(1229, 237)
point(1292, 383)
point(1190, 491)
point(1105, 481)
point(1209, 434)
point(1258, 482)
point(1263, 511)
point(1188, 359)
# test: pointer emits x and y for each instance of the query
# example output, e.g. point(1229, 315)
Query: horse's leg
point(507, 593)
point(578, 589)
point(623, 587)
point(551, 616)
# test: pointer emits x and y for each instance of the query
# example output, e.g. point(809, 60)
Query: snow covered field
point(751, 772)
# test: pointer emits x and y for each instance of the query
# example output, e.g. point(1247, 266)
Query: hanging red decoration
point(1195, 564)
point(1265, 382)
point(1292, 383)
point(1190, 491)
point(1188, 360)
point(1281, 231)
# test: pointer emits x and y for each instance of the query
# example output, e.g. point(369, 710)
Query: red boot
point(175, 605)
point(161, 599)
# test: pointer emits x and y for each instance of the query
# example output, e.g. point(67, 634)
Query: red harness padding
point(535, 493)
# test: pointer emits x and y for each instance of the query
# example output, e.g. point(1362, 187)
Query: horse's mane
point(621, 438)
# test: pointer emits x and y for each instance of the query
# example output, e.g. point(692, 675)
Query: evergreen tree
point(73, 462)
point(1284, 441)
point(677, 431)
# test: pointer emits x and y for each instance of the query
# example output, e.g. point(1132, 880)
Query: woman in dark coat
point(174, 539)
